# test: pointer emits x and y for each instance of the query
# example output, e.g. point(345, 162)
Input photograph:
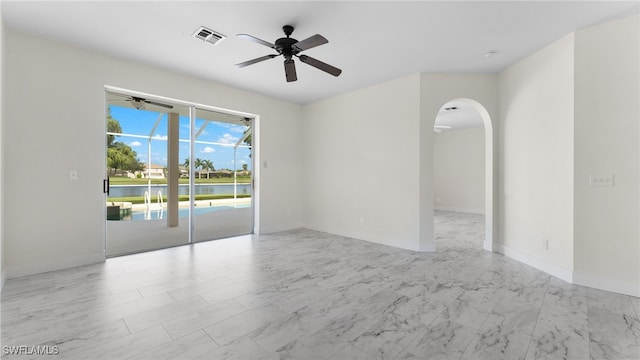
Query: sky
point(217, 134)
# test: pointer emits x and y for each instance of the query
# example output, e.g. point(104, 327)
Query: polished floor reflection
point(129, 237)
point(308, 295)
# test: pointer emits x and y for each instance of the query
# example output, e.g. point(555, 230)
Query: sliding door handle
point(105, 186)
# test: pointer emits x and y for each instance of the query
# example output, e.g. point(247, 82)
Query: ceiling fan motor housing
point(285, 46)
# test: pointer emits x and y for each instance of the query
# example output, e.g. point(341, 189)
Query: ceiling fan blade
point(320, 65)
point(256, 60)
point(290, 70)
point(310, 42)
point(256, 40)
point(139, 100)
point(159, 104)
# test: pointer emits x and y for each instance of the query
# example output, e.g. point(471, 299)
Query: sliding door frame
point(193, 108)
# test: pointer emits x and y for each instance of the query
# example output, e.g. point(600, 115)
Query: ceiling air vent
point(208, 35)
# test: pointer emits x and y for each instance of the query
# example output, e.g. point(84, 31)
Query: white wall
point(54, 122)
point(361, 163)
point(369, 152)
point(607, 132)
point(536, 158)
point(568, 112)
point(2, 252)
point(458, 170)
point(435, 91)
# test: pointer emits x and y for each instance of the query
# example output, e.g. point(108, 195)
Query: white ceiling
point(370, 41)
point(456, 115)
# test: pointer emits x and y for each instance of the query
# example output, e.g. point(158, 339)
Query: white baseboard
point(540, 264)
point(607, 284)
point(275, 229)
point(59, 264)
point(479, 211)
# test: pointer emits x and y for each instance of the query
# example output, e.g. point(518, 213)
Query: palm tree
point(207, 165)
point(198, 165)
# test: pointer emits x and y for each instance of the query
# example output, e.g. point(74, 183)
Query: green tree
point(120, 156)
point(115, 159)
point(124, 158)
point(113, 126)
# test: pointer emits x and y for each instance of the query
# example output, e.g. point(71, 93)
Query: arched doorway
point(464, 113)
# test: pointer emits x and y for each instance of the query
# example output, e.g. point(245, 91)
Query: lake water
point(183, 189)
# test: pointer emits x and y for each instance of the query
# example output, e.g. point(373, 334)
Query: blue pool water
point(162, 214)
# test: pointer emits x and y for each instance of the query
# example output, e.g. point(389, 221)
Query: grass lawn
point(121, 180)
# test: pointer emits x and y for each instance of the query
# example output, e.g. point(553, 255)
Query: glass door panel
point(222, 168)
point(148, 199)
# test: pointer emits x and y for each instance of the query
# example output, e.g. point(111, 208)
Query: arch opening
point(468, 114)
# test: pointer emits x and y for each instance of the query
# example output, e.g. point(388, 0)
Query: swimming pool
point(162, 214)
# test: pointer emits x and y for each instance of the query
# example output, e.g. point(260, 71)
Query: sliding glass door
point(163, 189)
point(147, 207)
point(222, 185)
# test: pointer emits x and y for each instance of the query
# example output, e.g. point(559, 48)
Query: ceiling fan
point(139, 103)
point(290, 47)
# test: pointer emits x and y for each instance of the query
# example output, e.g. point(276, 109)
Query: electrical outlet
point(73, 175)
point(546, 244)
point(362, 220)
point(601, 180)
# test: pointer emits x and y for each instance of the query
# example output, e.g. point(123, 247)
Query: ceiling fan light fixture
point(139, 105)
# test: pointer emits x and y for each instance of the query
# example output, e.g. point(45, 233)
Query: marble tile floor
point(304, 294)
